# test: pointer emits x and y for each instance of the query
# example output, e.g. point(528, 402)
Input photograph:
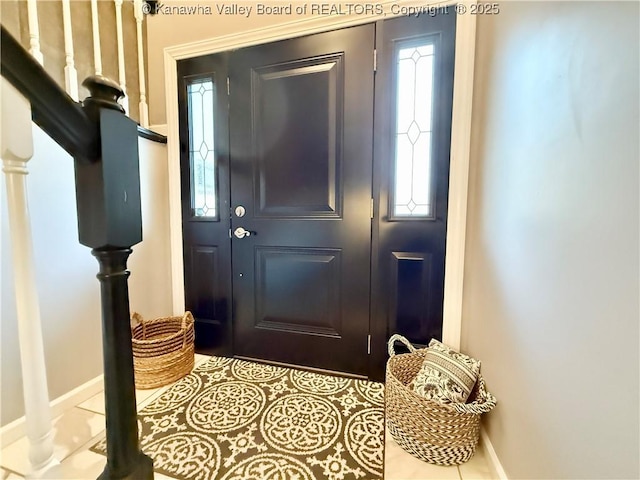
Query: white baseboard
point(16, 429)
point(492, 458)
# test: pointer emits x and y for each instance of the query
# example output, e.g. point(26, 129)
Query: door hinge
point(371, 210)
point(228, 87)
point(375, 60)
point(368, 344)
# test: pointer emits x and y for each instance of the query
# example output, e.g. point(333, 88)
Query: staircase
point(103, 142)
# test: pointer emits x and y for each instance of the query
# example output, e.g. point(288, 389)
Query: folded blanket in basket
point(446, 376)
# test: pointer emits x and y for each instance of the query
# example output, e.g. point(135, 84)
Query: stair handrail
point(104, 144)
point(52, 108)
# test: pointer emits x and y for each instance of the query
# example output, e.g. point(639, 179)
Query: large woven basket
point(442, 434)
point(162, 349)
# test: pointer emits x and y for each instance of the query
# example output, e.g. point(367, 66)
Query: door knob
point(241, 232)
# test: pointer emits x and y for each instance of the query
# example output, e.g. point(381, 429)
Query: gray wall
point(66, 272)
point(66, 279)
point(551, 292)
point(150, 281)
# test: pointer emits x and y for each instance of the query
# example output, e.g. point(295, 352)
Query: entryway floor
point(82, 426)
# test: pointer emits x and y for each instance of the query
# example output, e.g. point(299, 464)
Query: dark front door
point(283, 170)
point(301, 168)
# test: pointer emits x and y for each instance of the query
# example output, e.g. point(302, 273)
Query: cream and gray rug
point(236, 420)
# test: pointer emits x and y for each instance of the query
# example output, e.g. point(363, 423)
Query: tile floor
point(79, 428)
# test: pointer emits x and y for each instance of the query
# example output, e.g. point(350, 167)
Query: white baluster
point(97, 56)
point(70, 72)
point(144, 109)
point(121, 72)
point(16, 150)
point(34, 31)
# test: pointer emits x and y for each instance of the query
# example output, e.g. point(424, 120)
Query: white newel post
point(16, 150)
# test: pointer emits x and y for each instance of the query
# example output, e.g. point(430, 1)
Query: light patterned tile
point(15, 456)
point(71, 431)
point(400, 465)
point(477, 468)
point(81, 465)
point(94, 404)
point(201, 359)
point(6, 475)
point(85, 465)
point(143, 397)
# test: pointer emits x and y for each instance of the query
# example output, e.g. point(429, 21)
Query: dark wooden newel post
point(110, 222)
point(104, 144)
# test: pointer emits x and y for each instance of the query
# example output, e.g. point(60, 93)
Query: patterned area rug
point(236, 420)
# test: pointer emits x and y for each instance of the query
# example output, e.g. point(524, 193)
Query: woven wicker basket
point(443, 434)
point(162, 349)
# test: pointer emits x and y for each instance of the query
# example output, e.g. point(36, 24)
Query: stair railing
point(103, 142)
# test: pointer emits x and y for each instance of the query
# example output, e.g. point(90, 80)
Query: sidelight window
point(412, 193)
point(200, 104)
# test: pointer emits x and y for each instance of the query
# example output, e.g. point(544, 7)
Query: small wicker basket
point(442, 434)
point(163, 350)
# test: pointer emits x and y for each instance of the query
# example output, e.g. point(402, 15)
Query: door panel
point(286, 133)
point(413, 102)
point(410, 299)
point(205, 226)
point(317, 291)
point(204, 269)
point(301, 150)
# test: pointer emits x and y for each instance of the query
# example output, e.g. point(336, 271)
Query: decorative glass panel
point(202, 148)
point(414, 104)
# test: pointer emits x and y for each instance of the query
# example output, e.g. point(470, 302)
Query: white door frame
point(460, 141)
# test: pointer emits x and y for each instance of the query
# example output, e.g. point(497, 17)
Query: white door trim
point(460, 141)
